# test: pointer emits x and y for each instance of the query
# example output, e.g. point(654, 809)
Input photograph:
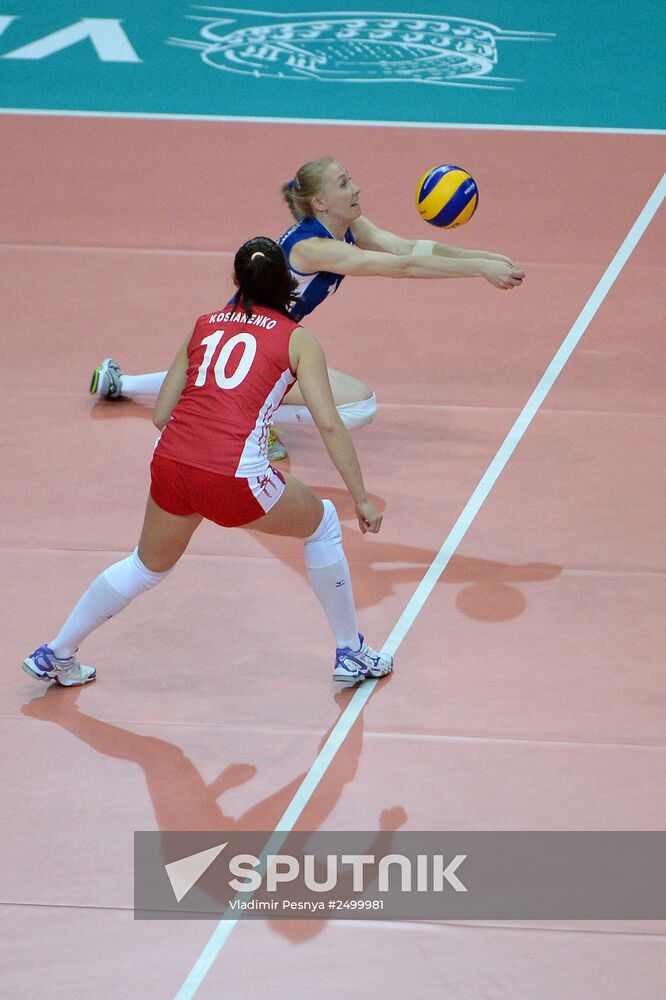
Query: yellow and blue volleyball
point(447, 196)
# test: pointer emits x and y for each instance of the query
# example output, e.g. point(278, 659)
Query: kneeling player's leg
point(355, 402)
point(109, 381)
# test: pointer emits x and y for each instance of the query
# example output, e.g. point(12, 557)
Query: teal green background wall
point(595, 64)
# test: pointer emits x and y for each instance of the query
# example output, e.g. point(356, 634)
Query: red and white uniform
point(238, 374)
point(211, 457)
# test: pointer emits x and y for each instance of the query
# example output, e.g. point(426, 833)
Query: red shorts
point(226, 500)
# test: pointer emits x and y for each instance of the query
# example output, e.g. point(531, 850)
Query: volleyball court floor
point(527, 689)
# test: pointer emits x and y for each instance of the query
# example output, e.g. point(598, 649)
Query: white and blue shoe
point(44, 665)
point(364, 664)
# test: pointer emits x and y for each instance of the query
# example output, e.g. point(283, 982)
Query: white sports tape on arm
point(423, 247)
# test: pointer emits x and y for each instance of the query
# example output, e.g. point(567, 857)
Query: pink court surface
point(528, 688)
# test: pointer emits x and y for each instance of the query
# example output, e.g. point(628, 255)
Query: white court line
point(351, 713)
point(347, 122)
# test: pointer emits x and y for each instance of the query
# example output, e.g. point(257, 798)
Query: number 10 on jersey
point(224, 380)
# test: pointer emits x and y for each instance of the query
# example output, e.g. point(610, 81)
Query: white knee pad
point(355, 415)
point(130, 577)
point(324, 546)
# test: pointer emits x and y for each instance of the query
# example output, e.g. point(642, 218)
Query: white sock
point(108, 594)
point(130, 577)
point(353, 415)
point(141, 385)
point(333, 587)
point(328, 573)
point(100, 601)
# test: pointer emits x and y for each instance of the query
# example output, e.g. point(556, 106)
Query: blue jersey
point(315, 287)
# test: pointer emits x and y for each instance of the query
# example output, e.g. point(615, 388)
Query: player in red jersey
point(214, 411)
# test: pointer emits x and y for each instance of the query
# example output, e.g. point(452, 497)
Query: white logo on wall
point(354, 47)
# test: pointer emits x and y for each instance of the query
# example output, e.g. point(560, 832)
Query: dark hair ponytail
point(263, 277)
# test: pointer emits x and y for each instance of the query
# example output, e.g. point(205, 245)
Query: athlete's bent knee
point(324, 546)
point(356, 415)
point(130, 577)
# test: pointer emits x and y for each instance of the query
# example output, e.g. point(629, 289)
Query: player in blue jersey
point(330, 240)
point(313, 286)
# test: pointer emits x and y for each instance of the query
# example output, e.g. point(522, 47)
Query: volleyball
point(447, 196)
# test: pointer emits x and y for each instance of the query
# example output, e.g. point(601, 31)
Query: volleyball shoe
point(276, 446)
point(106, 380)
point(44, 665)
point(364, 664)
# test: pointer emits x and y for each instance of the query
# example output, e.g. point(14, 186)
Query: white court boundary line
point(347, 122)
point(437, 567)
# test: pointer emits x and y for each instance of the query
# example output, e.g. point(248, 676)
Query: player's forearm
point(458, 253)
point(437, 266)
point(341, 449)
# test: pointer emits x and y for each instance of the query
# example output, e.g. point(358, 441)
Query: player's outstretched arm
point(309, 363)
point(460, 253)
point(342, 258)
point(368, 236)
point(172, 387)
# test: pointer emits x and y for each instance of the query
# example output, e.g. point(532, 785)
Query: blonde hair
point(307, 183)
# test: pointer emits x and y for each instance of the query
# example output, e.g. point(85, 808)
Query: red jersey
point(237, 375)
